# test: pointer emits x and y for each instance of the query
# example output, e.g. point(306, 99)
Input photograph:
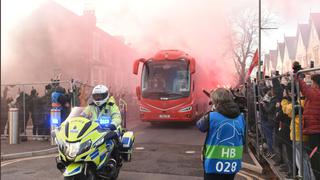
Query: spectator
point(45, 107)
point(286, 105)
point(225, 127)
point(284, 135)
point(268, 112)
point(35, 110)
point(282, 140)
point(278, 92)
point(4, 109)
point(311, 119)
point(60, 100)
point(23, 104)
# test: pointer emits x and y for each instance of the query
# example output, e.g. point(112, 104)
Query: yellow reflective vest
point(111, 109)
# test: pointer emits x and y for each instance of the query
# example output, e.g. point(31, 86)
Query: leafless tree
point(244, 38)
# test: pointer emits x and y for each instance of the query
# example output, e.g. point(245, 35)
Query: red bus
point(167, 87)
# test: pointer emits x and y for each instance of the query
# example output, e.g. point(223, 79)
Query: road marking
point(139, 148)
point(5, 163)
point(190, 152)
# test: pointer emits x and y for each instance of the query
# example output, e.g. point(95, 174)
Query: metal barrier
point(296, 105)
point(300, 115)
point(34, 103)
point(13, 126)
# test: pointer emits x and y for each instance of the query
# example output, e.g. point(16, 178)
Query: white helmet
point(100, 94)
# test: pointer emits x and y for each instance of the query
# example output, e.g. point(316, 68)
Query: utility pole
point(259, 50)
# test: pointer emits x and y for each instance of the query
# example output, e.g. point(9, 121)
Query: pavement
point(25, 149)
point(25, 146)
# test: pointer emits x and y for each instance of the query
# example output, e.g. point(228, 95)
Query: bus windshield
point(168, 79)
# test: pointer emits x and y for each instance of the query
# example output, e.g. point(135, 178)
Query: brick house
point(55, 40)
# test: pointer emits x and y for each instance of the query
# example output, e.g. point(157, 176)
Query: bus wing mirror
point(136, 65)
point(138, 92)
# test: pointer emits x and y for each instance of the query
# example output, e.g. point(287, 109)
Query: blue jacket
point(55, 100)
point(224, 142)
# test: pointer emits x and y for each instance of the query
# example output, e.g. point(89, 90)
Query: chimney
point(90, 18)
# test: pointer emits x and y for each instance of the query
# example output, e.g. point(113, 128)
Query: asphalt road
point(162, 152)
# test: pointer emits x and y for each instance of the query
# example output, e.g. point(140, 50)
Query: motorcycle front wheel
point(89, 176)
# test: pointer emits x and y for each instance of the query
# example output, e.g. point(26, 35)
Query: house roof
point(304, 30)
point(281, 50)
point(273, 57)
point(291, 44)
point(315, 18)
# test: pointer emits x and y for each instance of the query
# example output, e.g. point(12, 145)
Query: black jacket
point(268, 110)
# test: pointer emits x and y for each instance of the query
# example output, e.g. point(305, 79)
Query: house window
point(96, 47)
point(99, 75)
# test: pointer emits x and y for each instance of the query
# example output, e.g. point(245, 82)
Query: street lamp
point(260, 50)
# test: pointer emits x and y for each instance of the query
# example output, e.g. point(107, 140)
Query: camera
point(240, 100)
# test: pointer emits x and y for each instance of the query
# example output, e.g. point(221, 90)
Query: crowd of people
point(36, 108)
point(275, 111)
point(32, 106)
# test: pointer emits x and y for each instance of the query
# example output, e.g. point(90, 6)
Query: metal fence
point(271, 122)
point(33, 101)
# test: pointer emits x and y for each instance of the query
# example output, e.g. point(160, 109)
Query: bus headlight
point(186, 109)
point(143, 109)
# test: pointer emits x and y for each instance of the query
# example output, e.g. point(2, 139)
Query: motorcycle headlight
point(72, 149)
point(186, 109)
point(60, 144)
point(85, 147)
point(99, 142)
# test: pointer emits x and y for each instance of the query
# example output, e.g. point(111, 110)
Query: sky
point(199, 27)
point(143, 17)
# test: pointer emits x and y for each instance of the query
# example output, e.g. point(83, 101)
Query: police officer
point(59, 99)
point(225, 127)
point(103, 104)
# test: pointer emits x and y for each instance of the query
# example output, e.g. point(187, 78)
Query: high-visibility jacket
point(287, 109)
point(224, 144)
point(110, 109)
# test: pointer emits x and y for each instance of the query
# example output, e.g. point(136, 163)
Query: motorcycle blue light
point(54, 121)
point(55, 116)
point(104, 120)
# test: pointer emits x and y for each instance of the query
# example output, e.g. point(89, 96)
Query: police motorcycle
point(90, 150)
